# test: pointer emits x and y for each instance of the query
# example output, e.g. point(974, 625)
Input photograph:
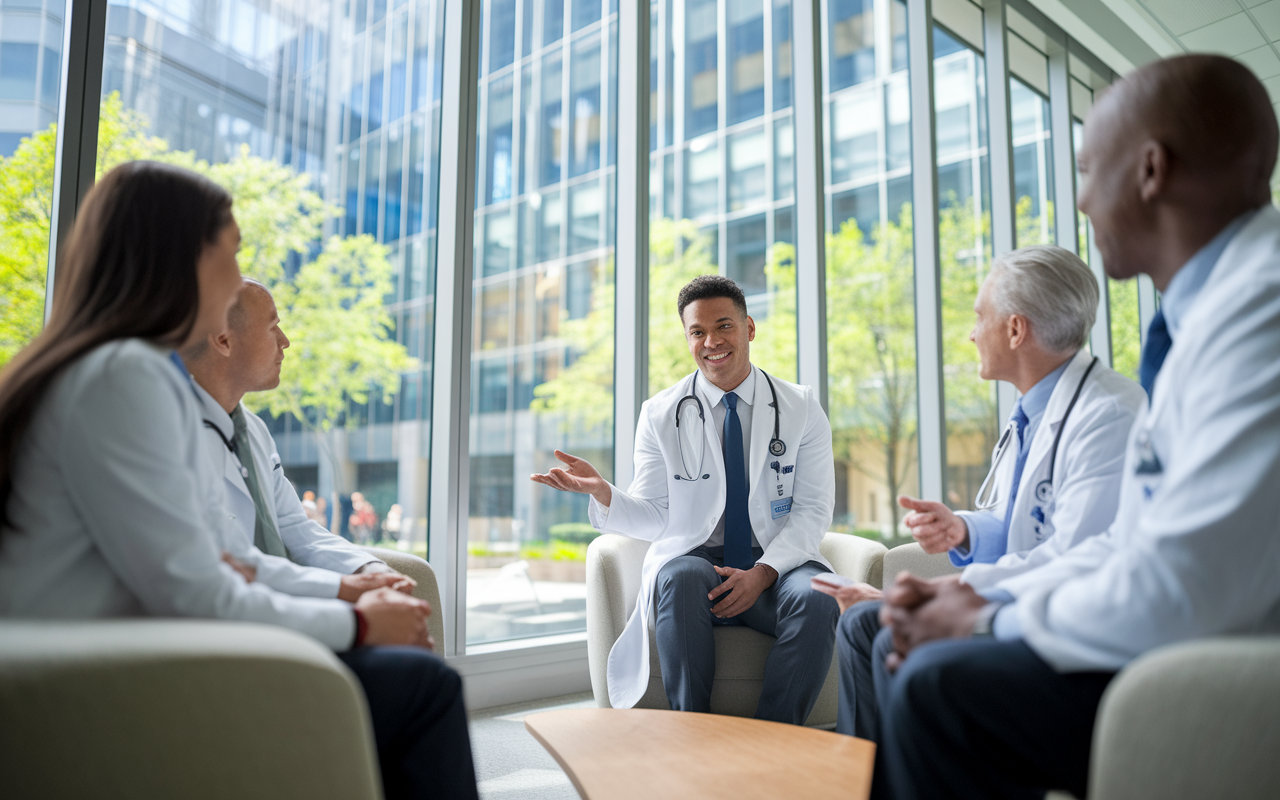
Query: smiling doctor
point(734, 486)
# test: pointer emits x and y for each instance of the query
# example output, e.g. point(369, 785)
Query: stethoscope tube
point(1044, 489)
point(776, 446)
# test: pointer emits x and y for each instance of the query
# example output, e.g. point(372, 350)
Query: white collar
point(712, 394)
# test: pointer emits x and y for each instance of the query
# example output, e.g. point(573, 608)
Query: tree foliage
point(332, 308)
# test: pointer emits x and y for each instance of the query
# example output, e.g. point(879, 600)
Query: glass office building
point(350, 94)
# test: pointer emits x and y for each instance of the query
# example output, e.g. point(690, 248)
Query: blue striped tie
point(1020, 417)
point(737, 519)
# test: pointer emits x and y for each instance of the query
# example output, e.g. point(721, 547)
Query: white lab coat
point(116, 512)
point(1086, 478)
point(679, 515)
point(1195, 548)
point(321, 557)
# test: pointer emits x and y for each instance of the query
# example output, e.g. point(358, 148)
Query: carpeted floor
point(510, 764)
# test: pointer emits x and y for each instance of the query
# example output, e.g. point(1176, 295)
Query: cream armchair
point(613, 583)
point(195, 709)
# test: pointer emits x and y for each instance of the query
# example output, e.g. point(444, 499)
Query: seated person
point(995, 696)
point(735, 486)
point(1055, 474)
point(262, 510)
point(104, 504)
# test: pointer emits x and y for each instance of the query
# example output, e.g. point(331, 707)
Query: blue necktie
point(1019, 417)
point(737, 520)
point(1157, 347)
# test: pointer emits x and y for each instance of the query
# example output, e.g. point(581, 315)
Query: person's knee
point(685, 577)
point(924, 681)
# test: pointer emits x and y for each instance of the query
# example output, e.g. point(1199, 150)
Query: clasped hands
point(385, 599)
point(921, 611)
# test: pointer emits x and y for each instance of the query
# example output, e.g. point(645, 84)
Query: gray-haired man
point(1055, 474)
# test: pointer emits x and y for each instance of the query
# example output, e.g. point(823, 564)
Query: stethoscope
point(231, 446)
point(776, 446)
point(987, 499)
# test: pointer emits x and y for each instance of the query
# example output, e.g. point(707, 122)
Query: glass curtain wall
point(1032, 165)
point(871, 344)
point(722, 174)
point(30, 71)
point(322, 119)
point(543, 342)
point(964, 248)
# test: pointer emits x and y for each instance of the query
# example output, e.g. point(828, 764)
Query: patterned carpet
point(510, 764)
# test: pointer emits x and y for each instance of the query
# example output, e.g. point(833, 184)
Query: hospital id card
point(780, 507)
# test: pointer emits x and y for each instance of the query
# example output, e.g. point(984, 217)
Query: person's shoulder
point(128, 363)
point(1125, 392)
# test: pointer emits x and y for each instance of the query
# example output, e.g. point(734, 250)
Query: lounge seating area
point(1183, 723)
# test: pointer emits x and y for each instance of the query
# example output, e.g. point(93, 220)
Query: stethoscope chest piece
point(777, 448)
point(1044, 491)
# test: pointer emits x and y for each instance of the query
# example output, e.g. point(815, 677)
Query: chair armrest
point(1192, 720)
point(191, 709)
point(912, 558)
point(854, 557)
point(428, 588)
point(613, 584)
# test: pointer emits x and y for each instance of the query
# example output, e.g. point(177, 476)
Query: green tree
point(332, 308)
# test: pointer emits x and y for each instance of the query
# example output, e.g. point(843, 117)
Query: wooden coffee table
point(641, 754)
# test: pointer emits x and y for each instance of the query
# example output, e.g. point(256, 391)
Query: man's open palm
point(576, 476)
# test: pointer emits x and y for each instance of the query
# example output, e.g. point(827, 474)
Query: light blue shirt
point(988, 539)
point(1177, 298)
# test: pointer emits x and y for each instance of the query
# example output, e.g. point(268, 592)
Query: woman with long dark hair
point(108, 507)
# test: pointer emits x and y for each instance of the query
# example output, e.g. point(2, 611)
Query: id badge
point(780, 507)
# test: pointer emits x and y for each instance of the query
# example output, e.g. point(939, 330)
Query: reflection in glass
point(542, 365)
point(727, 177)
point(1032, 165)
point(964, 249)
point(871, 346)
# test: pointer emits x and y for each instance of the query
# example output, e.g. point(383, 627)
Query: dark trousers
point(857, 711)
point(802, 620)
point(983, 718)
point(419, 722)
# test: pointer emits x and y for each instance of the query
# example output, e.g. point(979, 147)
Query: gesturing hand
point(353, 586)
point(933, 525)
point(744, 585)
point(847, 596)
point(395, 618)
point(923, 611)
point(578, 476)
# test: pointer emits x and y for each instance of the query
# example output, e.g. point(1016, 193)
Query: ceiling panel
point(1232, 36)
point(1182, 16)
point(1263, 61)
point(1267, 16)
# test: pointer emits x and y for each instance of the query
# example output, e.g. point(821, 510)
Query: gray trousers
point(858, 711)
point(803, 621)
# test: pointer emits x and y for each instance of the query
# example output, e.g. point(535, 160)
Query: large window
point(542, 363)
point(30, 70)
point(964, 247)
point(722, 173)
point(871, 343)
point(323, 120)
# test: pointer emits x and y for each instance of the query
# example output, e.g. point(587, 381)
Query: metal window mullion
point(631, 260)
point(809, 216)
point(1004, 223)
point(451, 358)
point(83, 39)
point(931, 414)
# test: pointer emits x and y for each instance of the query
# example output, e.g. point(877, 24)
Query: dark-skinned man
point(735, 498)
point(996, 698)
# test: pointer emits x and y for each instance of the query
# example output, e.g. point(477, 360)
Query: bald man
point(995, 697)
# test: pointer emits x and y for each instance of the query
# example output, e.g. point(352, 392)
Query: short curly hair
point(705, 287)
